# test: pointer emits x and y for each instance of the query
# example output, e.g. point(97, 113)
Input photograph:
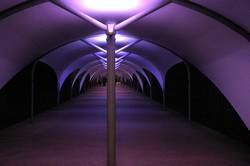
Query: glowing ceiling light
point(103, 38)
point(110, 5)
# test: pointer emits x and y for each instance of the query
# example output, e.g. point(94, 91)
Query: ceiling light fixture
point(110, 5)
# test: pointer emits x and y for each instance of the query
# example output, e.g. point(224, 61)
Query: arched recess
point(155, 89)
point(15, 98)
point(76, 86)
point(208, 105)
point(85, 85)
point(146, 85)
point(45, 87)
point(66, 89)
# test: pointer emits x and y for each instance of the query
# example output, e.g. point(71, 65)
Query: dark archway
point(176, 88)
point(156, 90)
point(208, 105)
point(66, 89)
point(15, 98)
point(45, 87)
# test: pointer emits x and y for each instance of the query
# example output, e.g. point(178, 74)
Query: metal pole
point(111, 103)
point(189, 90)
point(32, 91)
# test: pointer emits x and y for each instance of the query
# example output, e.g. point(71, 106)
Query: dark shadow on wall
point(66, 92)
point(15, 96)
point(156, 90)
point(208, 105)
point(45, 87)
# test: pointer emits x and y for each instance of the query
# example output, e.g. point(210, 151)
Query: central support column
point(111, 100)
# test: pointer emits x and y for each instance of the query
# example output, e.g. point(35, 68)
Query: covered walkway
point(74, 134)
point(182, 73)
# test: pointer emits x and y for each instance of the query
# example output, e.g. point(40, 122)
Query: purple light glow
point(120, 7)
point(102, 39)
point(110, 5)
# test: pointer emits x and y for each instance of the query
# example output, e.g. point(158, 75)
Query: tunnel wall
point(15, 96)
point(66, 91)
point(85, 85)
point(176, 89)
point(76, 86)
point(45, 87)
point(146, 86)
point(208, 105)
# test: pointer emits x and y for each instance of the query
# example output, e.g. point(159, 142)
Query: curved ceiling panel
point(42, 28)
point(205, 43)
point(63, 56)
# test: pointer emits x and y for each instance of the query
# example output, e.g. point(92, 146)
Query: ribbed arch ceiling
point(93, 66)
point(88, 66)
point(75, 54)
point(124, 67)
point(211, 35)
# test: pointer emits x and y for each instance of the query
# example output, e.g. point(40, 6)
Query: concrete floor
point(73, 134)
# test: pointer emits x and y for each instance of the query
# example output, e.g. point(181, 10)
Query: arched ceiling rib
point(71, 52)
point(62, 57)
point(92, 67)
